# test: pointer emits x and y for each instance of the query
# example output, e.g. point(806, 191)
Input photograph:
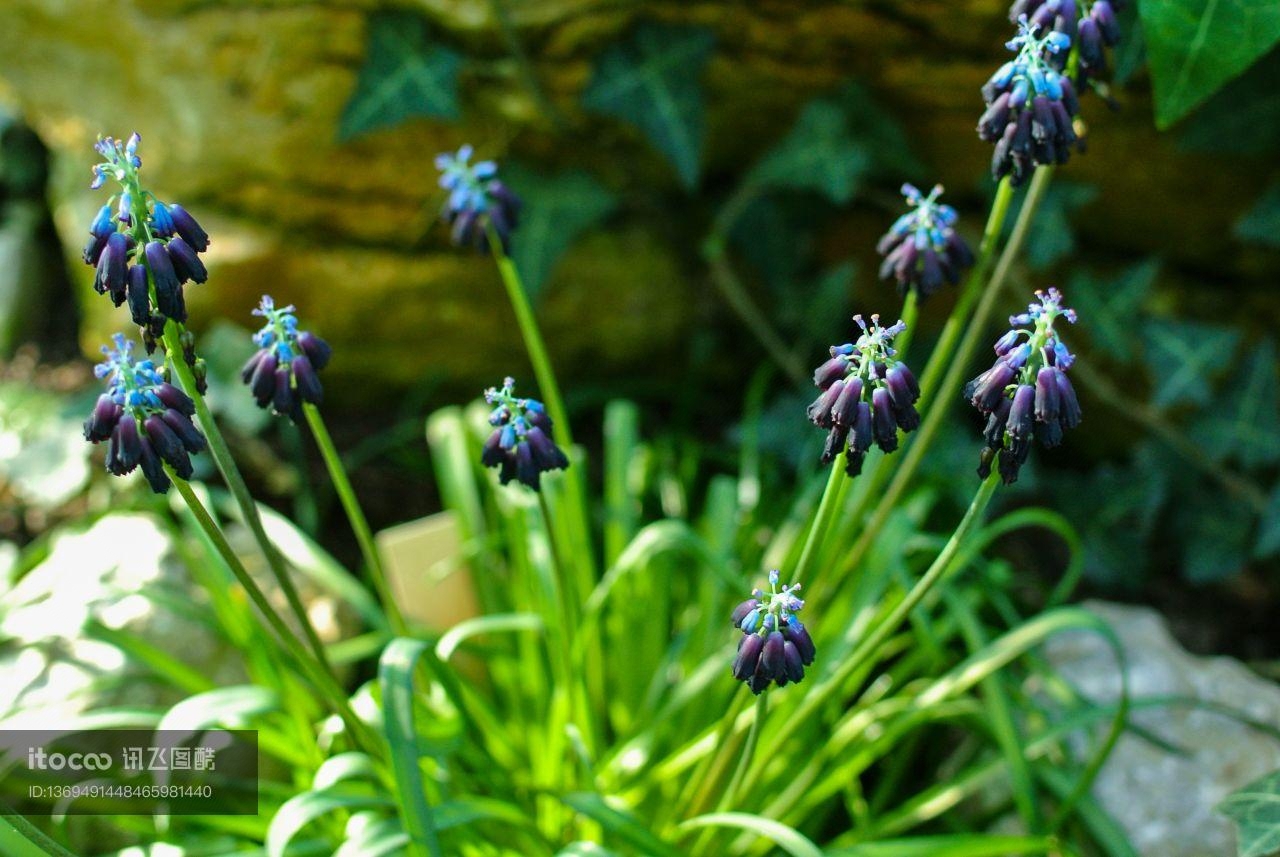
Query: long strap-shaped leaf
point(395, 676)
point(20, 838)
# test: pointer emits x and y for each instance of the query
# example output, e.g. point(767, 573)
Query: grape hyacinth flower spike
point(866, 396)
point(144, 250)
point(1026, 393)
point(1094, 31)
point(1030, 106)
point(775, 646)
point(922, 249)
point(145, 421)
point(521, 444)
point(284, 371)
point(477, 200)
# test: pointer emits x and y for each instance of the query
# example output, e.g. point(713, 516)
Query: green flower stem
point(833, 497)
point(696, 796)
point(869, 646)
point(217, 444)
point(822, 520)
point(580, 708)
point(240, 491)
point(752, 316)
point(355, 514)
point(316, 672)
point(910, 313)
point(533, 341)
point(729, 796)
point(956, 365)
point(583, 577)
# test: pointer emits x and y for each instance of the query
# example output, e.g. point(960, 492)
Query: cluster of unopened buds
point(478, 201)
point(144, 250)
point(145, 420)
point(1094, 31)
point(866, 396)
point(1026, 394)
point(520, 445)
point(1030, 105)
point(775, 646)
point(922, 249)
point(282, 373)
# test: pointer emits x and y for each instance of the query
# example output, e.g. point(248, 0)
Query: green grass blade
point(621, 499)
point(20, 838)
point(395, 677)
point(299, 811)
point(620, 824)
point(463, 631)
point(787, 838)
point(162, 664)
point(959, 845)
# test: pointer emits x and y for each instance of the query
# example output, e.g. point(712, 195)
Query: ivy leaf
point(1243, 118)
point(819, 154)
point(1052, 237)
point(1245, 426)
point(773, 235)
point(824, 309)
point(557, 210)
point(1269, 528)
point(652, 80)
point(1262, 224)
point(1111, 304)
point(1131, 53)
point(1215, 533)
point(1184, 357)
point(1256, 811)
point(404, 75)
point(1196, 46)
point(879, 131)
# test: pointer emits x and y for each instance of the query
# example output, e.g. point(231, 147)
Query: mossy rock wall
point(239, 104)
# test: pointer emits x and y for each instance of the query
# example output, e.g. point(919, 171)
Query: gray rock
point(1165, 801)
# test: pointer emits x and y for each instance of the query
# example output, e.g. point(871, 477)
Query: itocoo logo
point(39, 760)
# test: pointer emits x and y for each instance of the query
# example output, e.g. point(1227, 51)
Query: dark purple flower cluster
point(1026, 394)
point(866, 396)
point(477, 200)
point(774, 647)
point(144, 250)
point(1094, 32)
point(283, 372)
point(922, 249)
point(521, 444)
point(145, 421)
point(1030, 106)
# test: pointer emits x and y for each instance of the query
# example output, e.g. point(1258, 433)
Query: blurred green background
point(643, 136)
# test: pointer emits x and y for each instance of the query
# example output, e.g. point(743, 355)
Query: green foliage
point(1256, 811)
point(406, 74)
point(1111, 303)
point(652, 80)
point(1185, 357)
point(1243, 118)
point(1196, 46)
point(1053, 239)
point(818, 154)
point(1261, 225)
point(557, 210)
point(1269, 532)
point(1244, 424)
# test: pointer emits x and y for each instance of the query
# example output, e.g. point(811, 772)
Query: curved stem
point(822, 520)
point(752, 316)
point(956, 366)
point(240, 491)
point(355, 514)
point(317, 673)
point(533, 341)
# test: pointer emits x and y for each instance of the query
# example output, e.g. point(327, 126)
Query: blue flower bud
point(187, 227)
